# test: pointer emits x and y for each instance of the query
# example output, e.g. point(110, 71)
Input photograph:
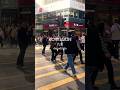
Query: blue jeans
point(70, 63)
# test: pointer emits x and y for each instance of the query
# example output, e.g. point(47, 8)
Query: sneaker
point(65, 70)
point(74, 75)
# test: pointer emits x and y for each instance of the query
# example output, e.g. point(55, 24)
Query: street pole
point(58, 31)
point(59, 24)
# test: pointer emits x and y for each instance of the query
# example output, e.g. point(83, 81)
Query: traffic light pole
point(58, 31)
point(60, 24)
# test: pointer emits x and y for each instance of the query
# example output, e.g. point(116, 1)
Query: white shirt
point(115, 29)
point(78, 44)
point(82, 39)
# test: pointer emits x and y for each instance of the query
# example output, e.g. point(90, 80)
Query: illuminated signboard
point(53, 25)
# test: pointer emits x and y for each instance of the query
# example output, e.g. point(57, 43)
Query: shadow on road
point(80, 85)
point(29, 72)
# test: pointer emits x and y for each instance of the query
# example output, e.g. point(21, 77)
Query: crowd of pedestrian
point(72, 47)
point(17, 34)
point(102, 44)
point(8, 34)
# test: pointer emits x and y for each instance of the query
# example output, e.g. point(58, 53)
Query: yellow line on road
point(13, 76)
point(17, 87)
point(103, 81)
point(52, 73)
point(49, 74)
point(2, 63)
point(61, 82)
point(48, 66)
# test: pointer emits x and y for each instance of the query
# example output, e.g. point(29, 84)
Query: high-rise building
point(11, 10)
point(51, 13)
point(108, 11)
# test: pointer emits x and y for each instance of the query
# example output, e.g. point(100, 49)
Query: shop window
point(50, 1)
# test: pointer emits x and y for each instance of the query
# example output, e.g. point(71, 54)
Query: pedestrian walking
point(82, 39)
point(1, 37)
point(71, 50)
point(53, 45)
point(105, 36)
point(115, 29)
point(79, 50)
point(94, 62)
point(45, 43)
point(23, 44)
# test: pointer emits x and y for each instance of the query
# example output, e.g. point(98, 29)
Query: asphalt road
point(50, 76)
point(12, 78)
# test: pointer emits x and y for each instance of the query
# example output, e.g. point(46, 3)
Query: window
point(50, 1)
point(82, 1)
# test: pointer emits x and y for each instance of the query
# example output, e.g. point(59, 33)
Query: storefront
point(53, 17)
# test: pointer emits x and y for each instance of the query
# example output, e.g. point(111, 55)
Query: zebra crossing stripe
point(52, 73)
point(61, 82)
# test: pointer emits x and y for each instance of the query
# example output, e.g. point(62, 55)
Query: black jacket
point(22, 36)
point(71, 46)
point(94, 55)
point(45, 41)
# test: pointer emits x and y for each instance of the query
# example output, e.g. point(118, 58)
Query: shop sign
point(50, 26)
point(53, 25)
point(73, 25)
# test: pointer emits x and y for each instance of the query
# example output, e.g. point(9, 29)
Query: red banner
point(66, 24)
point(50, 26)
point(74, 25)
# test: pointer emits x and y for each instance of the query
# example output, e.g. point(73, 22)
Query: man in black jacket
point(71, 50)
point(93, 56)
point(23, 43)
point(97, 55)
point(45, 43)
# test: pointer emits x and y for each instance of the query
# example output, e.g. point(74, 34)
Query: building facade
point(109, 10)
point(66, 14)
point(14, 10)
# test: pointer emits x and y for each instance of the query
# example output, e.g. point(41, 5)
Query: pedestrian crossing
point(44, 73)
point(12, 78)
point(102, 78)
point(61, 82)
point(49, 78)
